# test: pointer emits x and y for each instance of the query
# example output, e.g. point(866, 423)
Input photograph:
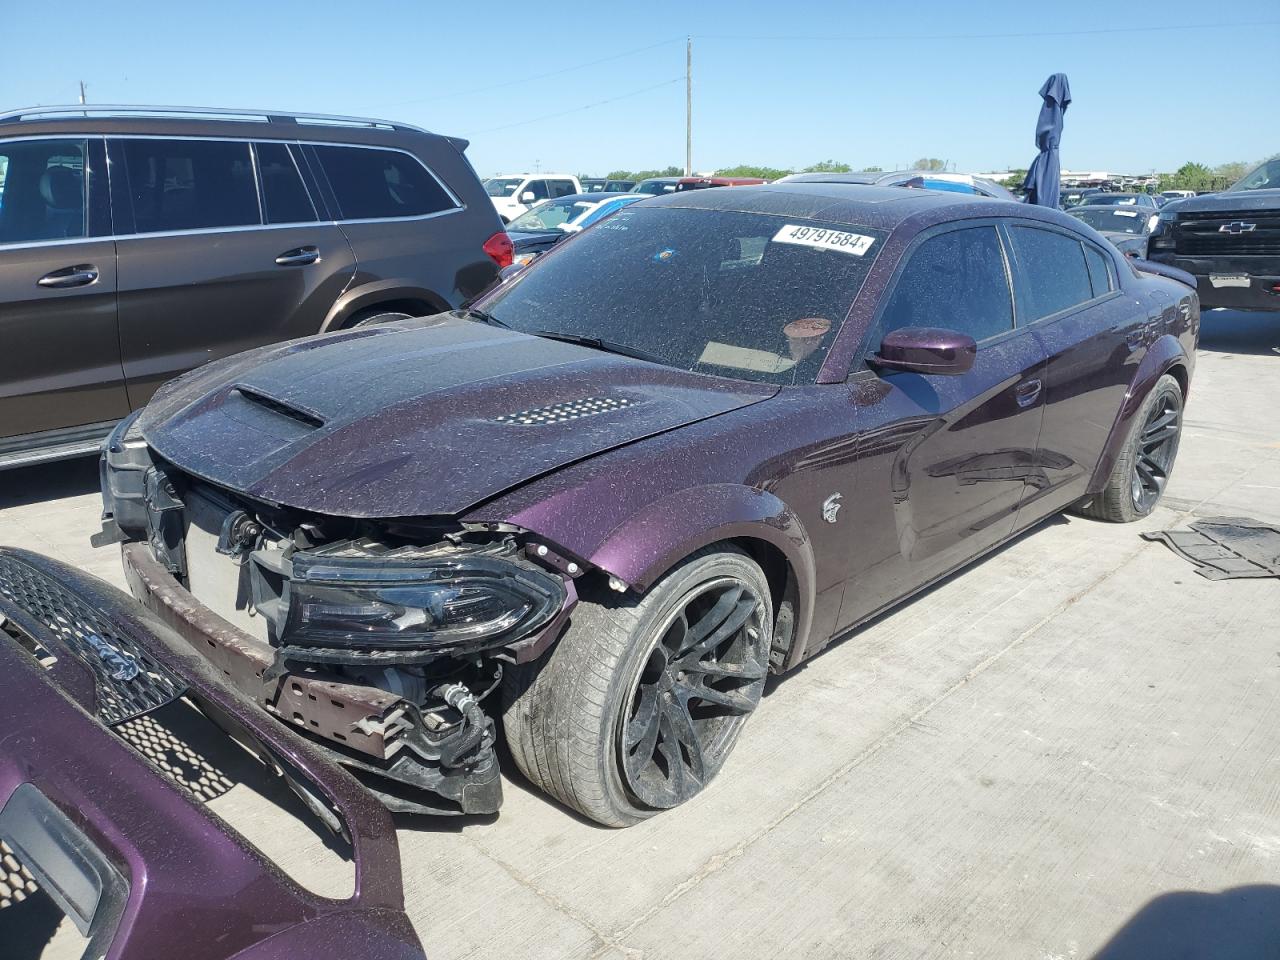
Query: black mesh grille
point(129, 681)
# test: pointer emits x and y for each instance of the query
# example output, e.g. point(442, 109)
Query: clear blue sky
point(783, 84)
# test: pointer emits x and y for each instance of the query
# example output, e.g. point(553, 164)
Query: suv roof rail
point(196, 113)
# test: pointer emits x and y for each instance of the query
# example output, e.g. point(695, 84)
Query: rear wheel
point(639, 704)
point(367, 318)
point(1142, 470)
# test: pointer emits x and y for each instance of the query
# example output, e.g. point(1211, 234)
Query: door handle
point(1027, 392)
point(81, 275)
point(299, 256)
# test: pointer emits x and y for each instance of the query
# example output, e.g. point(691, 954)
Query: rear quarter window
point(372, 184)
point(1100, 271)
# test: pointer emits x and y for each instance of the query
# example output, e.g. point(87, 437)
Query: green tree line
point(749, 170)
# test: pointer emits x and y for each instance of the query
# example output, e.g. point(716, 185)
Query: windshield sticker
point(1126, 213)
point(822, 239)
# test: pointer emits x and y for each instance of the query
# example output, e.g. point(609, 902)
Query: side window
point(1099, 271)
point(1054, 273)
point(42, 190)
point(190, 184)
point(284, 197)
point(538, 188)
point(372, 184)
point(563, 188)
point(955, 280)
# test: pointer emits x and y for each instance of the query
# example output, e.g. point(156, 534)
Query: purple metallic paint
point(929, 350)
point(932, 471)
point(197, 889)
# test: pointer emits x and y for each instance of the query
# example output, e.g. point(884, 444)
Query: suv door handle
point(81, 275)
point(1027, 392)
point(299, 256)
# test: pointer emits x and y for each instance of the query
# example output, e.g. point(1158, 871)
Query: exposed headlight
point(453, 603)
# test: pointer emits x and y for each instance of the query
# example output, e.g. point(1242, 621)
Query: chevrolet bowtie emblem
point(1237, 226)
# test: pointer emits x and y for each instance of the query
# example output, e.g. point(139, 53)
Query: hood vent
point(305, 417)
point(565, 412)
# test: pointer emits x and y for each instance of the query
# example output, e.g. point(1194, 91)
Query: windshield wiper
point(609, 346)
point(470, 313)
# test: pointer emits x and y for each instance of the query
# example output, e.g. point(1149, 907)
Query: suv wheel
point(638, 706)
point(1142, 470)
point(367, 318)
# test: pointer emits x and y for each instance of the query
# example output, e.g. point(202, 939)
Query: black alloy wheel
point(702, 677)
point(1157, 444)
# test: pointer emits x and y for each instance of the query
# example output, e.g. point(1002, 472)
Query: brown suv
point(139, 242)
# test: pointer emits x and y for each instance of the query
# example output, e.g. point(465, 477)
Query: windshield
point(549, 215)
point(1266, 177)
point(746, 295)
point(1117, 200)
point(502, 186)
point(1113, 219)
point(657, 187)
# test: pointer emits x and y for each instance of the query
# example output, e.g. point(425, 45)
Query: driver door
point(944, 461)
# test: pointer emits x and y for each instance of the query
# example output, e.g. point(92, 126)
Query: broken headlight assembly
point(396, 607)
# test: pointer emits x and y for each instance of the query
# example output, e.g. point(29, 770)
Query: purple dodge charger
point(691, 446)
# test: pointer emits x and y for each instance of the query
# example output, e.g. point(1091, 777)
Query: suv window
point(42, 194)
point(190, 184)
point(371, 184)
point(537, 187)
point(562, 188)
point(1099, 270)
point(284, 197)
point(1053, 267)
point(955, 280)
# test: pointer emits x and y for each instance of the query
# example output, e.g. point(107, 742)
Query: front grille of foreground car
point(129, 682)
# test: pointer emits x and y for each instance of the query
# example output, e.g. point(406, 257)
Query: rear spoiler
point(1163, 270)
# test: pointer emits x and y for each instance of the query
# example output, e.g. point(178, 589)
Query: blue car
point(542, 227)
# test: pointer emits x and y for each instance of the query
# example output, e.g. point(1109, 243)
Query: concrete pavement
point(1076, 739)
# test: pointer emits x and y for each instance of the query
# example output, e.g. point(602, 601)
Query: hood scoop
point(565, 412)
point(307, 418)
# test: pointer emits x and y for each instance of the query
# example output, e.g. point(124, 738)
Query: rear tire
point(636, 708)
point(1142, 470)
point(367, 318)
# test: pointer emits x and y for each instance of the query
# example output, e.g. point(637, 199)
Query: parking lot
point(1071, 742)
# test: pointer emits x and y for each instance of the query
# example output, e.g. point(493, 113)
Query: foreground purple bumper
point(141, 867)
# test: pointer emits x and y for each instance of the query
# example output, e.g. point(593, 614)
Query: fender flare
point(652, 541)
point(374, 292)
point(1161, 357)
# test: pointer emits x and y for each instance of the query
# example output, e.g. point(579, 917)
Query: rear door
point(224, 249)
point(406, 226)
point(1068, 296)
point(943, 460)
point(59, 347)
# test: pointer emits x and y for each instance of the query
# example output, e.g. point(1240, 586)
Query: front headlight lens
point(456, 604)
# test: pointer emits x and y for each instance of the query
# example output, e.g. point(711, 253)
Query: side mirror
point(527, 197)
point(927, 350)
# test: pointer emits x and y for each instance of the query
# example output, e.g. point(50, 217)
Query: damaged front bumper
point(141, 867)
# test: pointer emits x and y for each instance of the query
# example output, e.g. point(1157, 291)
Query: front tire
point(1142, 470)
point(639, 704)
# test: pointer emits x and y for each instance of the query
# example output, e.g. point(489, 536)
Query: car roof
point(873, 206)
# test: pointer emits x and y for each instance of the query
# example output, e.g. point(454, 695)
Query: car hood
point(423, 417)
point(1239, 202)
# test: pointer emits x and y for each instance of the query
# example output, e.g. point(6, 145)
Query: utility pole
point(688, 107)
point(82, 98)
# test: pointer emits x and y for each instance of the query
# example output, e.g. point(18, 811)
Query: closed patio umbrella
point(1041, 183)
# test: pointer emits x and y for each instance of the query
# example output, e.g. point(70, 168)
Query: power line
point(540, 76)
point(992, 36)
point(585, 106)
